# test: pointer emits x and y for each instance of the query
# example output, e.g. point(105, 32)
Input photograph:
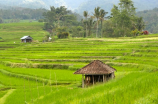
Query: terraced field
point(42, 73)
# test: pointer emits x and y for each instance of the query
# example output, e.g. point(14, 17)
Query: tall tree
point(97, 15)
point(102, 16)
point(1, 20)
point(90, 24)
point(123, 16)
point(140, 25)
point(85, 14)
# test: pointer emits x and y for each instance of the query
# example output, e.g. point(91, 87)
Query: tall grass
point(124, 90)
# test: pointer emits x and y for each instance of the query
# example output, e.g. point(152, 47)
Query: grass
point(42, 73)
point(130, 86)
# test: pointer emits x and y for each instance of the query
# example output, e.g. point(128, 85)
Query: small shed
point(26, 39)
point(95, 72)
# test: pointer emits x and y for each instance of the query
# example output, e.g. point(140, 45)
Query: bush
point(63, 35)
point(40, 20)
point(145, 32)
point(135, 32)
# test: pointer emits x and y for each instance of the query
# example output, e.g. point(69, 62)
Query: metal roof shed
point(26, 39)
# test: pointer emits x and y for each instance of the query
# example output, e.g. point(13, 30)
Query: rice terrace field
point(42, 73)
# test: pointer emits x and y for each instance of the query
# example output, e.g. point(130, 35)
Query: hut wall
point(83, 81)
point(105, 78)
point(26, 40)
point(112, 75)
point(88, 80)
point(92, 79)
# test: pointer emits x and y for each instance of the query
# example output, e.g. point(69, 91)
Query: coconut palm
point(97, 15)
point(85, 13)
point(90, 24)
point(102, 16)
point(140, 24)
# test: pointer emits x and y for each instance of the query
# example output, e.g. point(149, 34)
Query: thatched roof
point(96, 67)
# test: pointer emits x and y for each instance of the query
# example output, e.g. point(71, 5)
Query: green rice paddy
point(42, 73)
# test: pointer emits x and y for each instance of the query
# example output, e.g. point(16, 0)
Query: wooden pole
point(113, 75)
point(103, 78)
point(93, 79)
point(82, 81)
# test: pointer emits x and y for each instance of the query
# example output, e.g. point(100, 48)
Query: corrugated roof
point(26, 37)
point(96, 67)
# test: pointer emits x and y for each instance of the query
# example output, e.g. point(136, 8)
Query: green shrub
point(63, 35)
point(40, 20)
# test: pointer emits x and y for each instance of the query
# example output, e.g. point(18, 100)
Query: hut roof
point(96, 67)
point(26, 37)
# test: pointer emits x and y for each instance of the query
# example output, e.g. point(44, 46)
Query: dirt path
point(3, 99)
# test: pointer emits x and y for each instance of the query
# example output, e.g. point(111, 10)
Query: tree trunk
point(97, 29)
point(86, 30)
point(82, 81)
point(101, 28)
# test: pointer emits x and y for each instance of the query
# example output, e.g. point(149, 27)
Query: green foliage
point(140, 24)
point(59, 16)
point(1, 20)
point(41, 20)
point(122, 17)
point(22, 13)
point(102, 16)
point(76, 31)
point(85, 14)
point(61, 29)
point(135, 32)
point(97, 15)
point(123, 20)
point(63, 35)
point(46, 38)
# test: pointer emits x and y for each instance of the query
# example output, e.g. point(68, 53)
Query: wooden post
point(103, 78)
point(113, 75)
point(82, 81)
point(93, 79)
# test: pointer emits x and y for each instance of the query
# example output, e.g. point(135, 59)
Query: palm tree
point(97, 15)
point(140, 24)
point(90, 24)
point(102, 16)
point(85, 13)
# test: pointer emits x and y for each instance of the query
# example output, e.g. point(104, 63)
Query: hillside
point(108, 4)
point(42, 73)
point(14, 31)
point(151, 19)
point(70, 4)
point(79, 6)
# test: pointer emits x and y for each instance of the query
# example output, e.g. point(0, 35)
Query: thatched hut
point(26, 39)
point(95, 72)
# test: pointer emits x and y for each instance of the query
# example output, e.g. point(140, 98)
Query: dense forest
point(22, 13)
point(151, 19)
point(17, 13)
point(61, 22)
point(122, 22)
point(141, 5)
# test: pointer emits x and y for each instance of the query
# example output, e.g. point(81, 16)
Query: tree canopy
point(124, 20)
